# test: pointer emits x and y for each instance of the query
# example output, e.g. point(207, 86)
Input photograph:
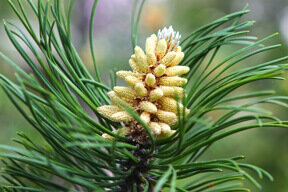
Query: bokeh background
point(265, 147)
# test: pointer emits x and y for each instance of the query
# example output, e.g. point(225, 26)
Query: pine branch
point(78, 155)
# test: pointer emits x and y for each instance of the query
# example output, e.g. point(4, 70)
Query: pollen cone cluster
point(154, 83)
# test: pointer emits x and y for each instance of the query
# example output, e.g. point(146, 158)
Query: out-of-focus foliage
point(265, 147)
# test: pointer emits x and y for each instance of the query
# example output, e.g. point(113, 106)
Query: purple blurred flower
point(111, 18)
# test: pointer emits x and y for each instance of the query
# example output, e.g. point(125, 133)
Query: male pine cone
point(154, 85)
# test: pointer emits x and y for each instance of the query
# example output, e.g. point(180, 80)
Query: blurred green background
point(265, 147)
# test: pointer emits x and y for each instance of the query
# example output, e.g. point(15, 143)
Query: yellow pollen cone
point(108, 110)
point(113, 96)
point(123, 74)
point(160, 70)
point(167, 117)
point(165, 129)
point(133, 65)
point(133, 57)
point(171, 132)
point(165, 135)
point(177, 59)
point(107, 136)
point(132, 81)
point(138, 51)
point(151, 58)
point(172, 81)
point(150, 45)
point(122, 131)
point(125, 92)
point(140, 89)
point(169, 104)
point(141, 60)
point(117, 100)
point(154, 37)
point(145, 117)
point(142, 64)
point(168, 58)
point(148, 107)
point(177, 70)
point(154, 84)
point(150, 79)
point(155, 94)
point(121, 116)
point(161, 48)
point(171, 91)
point(155, 128)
